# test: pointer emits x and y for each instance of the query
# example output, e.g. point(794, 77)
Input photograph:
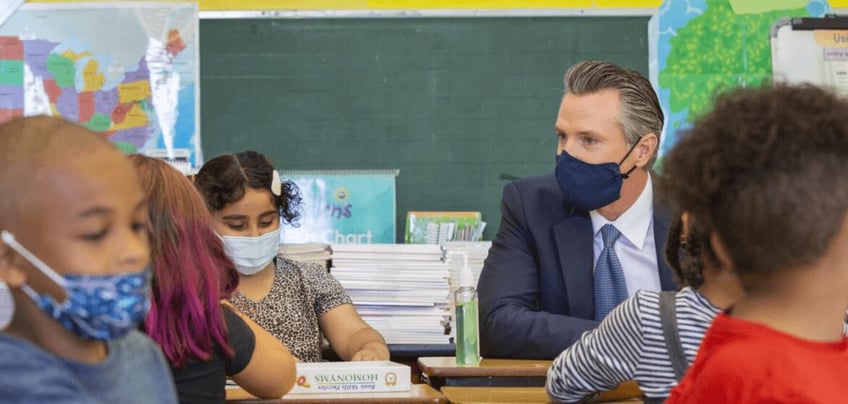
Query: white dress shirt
point(636, 248)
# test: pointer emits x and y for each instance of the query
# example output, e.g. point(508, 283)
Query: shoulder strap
point(668, 318)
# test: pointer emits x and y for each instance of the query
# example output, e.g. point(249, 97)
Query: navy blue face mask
point(590, 186)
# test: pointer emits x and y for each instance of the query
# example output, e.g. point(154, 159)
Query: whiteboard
point(811, 50)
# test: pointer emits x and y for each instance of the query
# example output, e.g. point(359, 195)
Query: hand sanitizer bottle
point(467, 337)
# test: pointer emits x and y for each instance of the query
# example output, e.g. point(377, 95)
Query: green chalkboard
point(459, 105)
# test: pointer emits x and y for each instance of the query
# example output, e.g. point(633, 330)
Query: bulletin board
point(811, 50)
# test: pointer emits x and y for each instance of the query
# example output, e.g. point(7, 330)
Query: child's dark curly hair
point(767, 171)
point(223, 180)
point(686, 254)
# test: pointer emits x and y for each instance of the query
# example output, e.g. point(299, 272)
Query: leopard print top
point(301, 293)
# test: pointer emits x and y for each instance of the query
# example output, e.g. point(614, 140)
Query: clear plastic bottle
point(467, 335)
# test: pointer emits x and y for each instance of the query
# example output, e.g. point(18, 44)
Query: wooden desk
point(443, 371)
point(464, 394)
point(406, 354)
point(419, 393)
point(478, 395)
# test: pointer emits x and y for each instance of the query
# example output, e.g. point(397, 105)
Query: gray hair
point(640, 109)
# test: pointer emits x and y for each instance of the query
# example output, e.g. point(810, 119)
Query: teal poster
point(344, 207)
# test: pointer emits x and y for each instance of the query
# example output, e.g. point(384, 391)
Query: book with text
point(351, 377)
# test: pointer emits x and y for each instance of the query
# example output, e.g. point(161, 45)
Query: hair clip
point(276, 184)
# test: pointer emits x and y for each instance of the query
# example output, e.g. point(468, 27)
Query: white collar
point(635, 221)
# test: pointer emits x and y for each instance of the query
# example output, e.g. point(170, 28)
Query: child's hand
point(367, 354)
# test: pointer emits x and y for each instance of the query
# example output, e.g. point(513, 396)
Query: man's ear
point(11, 270)
point(646, 149)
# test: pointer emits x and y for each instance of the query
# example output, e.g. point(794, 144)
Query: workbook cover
point(441, 227)
point(351, 377)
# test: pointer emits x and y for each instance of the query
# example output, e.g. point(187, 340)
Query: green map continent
point(717, 51)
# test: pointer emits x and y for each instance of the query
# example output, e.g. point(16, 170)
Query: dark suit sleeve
point(511, 323)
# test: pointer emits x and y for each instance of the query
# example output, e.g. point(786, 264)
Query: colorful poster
point(127, 70)
point(817, 56)
point(7, 8)
point(702, 47)
point(344, 207)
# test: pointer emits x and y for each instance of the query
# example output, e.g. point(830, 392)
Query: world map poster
point(126, 70)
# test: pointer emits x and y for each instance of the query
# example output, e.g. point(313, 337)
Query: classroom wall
point(217, 143)
point(459, 105)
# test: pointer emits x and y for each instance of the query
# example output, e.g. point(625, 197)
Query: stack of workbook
point(456, 252)
point(402, 290)
point(309, 252)
point(441, 227)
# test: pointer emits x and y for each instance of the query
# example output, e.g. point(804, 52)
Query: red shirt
point(744, 362)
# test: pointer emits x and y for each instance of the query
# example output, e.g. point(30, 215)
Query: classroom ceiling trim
point(295, 14)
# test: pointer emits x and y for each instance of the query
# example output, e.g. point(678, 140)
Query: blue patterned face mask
point(101, 307)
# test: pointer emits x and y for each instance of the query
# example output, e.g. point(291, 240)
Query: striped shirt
point(629, 345)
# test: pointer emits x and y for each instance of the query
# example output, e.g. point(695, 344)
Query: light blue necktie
point(610, 287)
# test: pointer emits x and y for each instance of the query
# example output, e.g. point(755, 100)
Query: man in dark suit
point(548, 277)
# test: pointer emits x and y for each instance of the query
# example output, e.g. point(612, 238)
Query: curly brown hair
point(223, 181)
point(687, 253)
point(766, 171)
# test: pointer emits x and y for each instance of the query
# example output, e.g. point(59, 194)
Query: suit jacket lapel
point(574, 243)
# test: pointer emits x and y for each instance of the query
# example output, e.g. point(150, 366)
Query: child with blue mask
point(74, 253)
point(298, 303)
point(100, 307)
point(204, 339)
point(252, 254)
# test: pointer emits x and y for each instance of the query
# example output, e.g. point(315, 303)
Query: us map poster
point(127, 70)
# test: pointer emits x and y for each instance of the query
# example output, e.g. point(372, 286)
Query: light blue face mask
point(251, 254)
point(101, 307)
